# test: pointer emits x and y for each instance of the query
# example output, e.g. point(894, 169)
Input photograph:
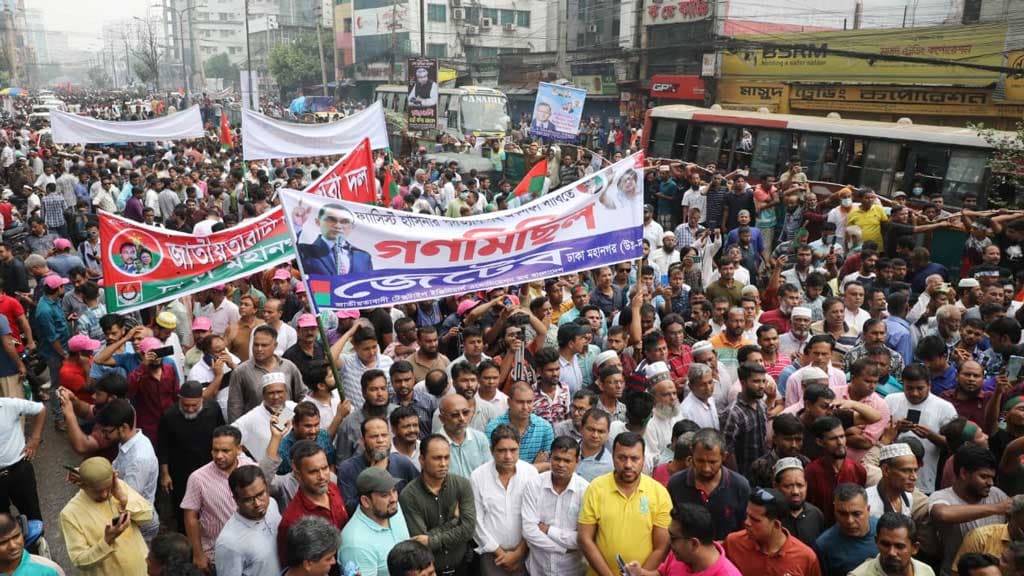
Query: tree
point(220, 66)
point(98, 77)
point(1007, 160)
point(147, 53)
point(298, 64)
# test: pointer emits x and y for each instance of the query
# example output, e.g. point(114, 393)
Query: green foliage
point(1007, 162)
point(298, 64)
point(220, 66)
point(98, 77)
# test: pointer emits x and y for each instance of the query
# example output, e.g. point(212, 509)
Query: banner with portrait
point(146, 265)
point(557, 111)
point(357, 256)
point(423, 94)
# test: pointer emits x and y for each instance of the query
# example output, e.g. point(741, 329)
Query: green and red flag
point(146, 265)
point(227, 141)
point(535, 181)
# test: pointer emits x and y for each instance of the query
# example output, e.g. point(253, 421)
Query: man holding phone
point(152, 386)
point(919, 412)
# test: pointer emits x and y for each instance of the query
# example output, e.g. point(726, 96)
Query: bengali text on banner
point(359, 256)
point(145, 265)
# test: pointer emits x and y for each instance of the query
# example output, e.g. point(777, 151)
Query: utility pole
point(391, 69)
point(320, 45)
point(563, 34)
point(127, 62)
point(191, 41)
point(248, 59)
point(423, 28)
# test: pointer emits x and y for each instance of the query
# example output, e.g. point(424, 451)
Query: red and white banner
point(352, 178)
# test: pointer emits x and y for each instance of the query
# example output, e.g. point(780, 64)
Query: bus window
point(744, 148)
point(880, 162)
point(664, 138)
point(708, 144)
point(812, 152)
point(965, 175)
point(765, 159)
point(928, 165)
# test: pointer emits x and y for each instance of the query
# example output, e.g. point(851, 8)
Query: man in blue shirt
point(851, 540)
point(377, 525)
point(535, 433)
point(375, 453)
point(52, 332)
point(932, 352)
point(14, 559)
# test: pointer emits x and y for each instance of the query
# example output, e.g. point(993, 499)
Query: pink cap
point(220, 288)
point(282, 274)
point(82, 343)
point(149, 344)
point(513, 299)
point(466, 305)
point(53, 281)
point(300, 288)
point(307, 321)
point(62, 243)
point(202, 323)
point(343, 314)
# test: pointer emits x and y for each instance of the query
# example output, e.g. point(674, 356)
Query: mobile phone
point(622, 565)
point(508, 301)
point(914, 416)
point(163, 351)
point(70, 468)
point(664, 279)
point(1013, 367)
point(118, 519)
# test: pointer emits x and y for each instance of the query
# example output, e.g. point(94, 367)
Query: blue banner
point(359, 256)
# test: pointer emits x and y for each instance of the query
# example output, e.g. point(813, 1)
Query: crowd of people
point(783, 384)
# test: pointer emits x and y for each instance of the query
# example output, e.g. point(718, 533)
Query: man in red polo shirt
point(764, 546)
point(317, 495)
point(789, 298)
point(152, 388)
point(832, 468)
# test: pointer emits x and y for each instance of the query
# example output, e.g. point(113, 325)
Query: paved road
point(54, 491)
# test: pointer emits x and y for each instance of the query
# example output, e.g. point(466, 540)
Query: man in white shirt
point(658, 434)
point(498, 495)
point(551, 504)
point(224, 316)
point(699, 405)
point(653, 232)
point(248, 542)
point(918, 412)
point(853, 298)
point(272, 315)
point(895, 491)
point(275, 409)
point(18, 485)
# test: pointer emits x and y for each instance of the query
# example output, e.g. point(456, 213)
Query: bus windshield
point(484, 113)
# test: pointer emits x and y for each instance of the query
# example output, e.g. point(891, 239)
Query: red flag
point(351, 178)
point(226, 140)
point(535, 179)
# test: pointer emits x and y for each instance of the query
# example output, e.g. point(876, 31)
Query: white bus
point(475, 110)
point(885, 156)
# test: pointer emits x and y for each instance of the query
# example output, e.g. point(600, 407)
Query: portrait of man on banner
point(542, 117)
point(332, 254)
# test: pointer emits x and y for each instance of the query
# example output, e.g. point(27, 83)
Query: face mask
point(917, 191)
point(463, 195)
point(847, 202)
point(828, 239)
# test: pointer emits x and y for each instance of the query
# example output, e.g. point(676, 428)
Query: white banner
point(264, 137)
point(359, 255)
point(75, 129)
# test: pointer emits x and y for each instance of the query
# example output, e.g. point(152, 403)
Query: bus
point(466, 110)
point(884, 156)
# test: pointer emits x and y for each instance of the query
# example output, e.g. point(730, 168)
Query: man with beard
point(208, 503)
point(107, 388)
point(439, 508)
point(764, 546)
point(833, 467)
point(376, 526)
point(317, 495)
point(582, 401)
point(699, 327)
point(186, 429)
point(255, 425)
point(924, 414)
point(693, 548)
point(789, 299)
point(970, 400)
point(971, 502)
point(247, 544)
point(895, 491)
point(667, 255)
point(245, 391)
point(405, 393)
point(792, 343)
point(731, 339)
point(851, 540)
point(658, 434)
point(466, 384)
point(726, 491)
point(805, 520)
point(896, 540)
point(428, 357)
point(787, 442)
point(376, 453)
point(745, 422)
point(469, 446)
point(374, 390)
point(611, 524)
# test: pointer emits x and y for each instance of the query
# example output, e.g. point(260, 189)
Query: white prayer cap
point(801, 312)
point(274, 378)
point(701, 346)
point(604, 357)
point(812, 373)
point(894, 451)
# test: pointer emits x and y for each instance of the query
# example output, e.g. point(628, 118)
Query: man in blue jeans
point(52, 330)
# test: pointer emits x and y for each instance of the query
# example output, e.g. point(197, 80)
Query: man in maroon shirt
point(789, 298)
point(152, 388)
point(969, 399)
point(832, 468)
point(317, 495)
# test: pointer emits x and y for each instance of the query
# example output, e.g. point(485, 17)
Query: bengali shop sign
point(357, 256)
point(676, 11)
point(145, 265)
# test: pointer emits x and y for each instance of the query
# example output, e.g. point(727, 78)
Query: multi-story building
point(15, 44)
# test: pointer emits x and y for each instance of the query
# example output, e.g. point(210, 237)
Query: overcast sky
point(83, 20)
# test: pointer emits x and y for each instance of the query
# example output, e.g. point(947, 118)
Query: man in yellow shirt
point(101, 522)
point(995, 539)
point(869, 216)
point(625, 513)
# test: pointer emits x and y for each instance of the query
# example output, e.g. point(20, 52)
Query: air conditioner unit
point(592, 28)
point(472, 31)
point(458, 14)
point(485, 23)
point(509, 27)
point(456, 3)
